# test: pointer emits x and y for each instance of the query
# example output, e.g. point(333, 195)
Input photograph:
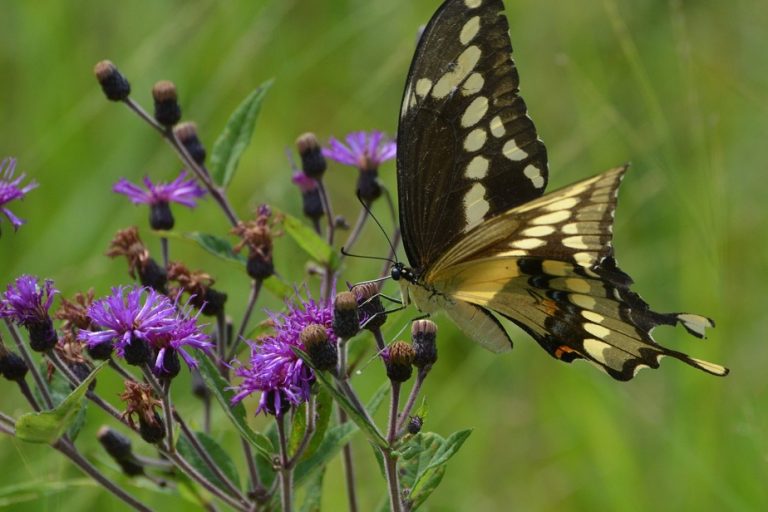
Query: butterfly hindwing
point(467, 149)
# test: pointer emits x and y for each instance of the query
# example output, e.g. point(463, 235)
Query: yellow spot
point(597, 330)
point(465, 63)
point(497, 127)
point(477, 168)
point(552, 218)
point(577, 285)
point(563, 204)
point(475, 140)
point(585, 259)
point(469, 30)
point(512, 151)
point(475, 205)
point(539, 231)
point(592, 316)
point(473, 84)
point(555, 268)
point(596, 349)
point(528, 243)
point(514, 252)
point(474, 112)
point(534, 174)
point(575, 242)
point(710, 367)
point(473, 3)
point(423, 86)
point(583, 301)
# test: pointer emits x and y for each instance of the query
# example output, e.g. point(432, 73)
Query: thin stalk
point(285, 472)
point(221, 339)
point(165, 249)
point(86, 467)
point(27, 392)
point(309, 431)
point(329, 274)
point(253, 471)
point(8, 420)
point(33, 369)
point(355, 233)
point(205, 456)
point(390, 461)
point(255, 289)
point(412, 398)
point(121, 370)
point(349, 467)
point(164, 392)
point(193, 473)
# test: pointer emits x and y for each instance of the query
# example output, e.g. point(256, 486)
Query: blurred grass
point(677, 88)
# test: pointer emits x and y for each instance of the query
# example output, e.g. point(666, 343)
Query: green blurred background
point(678, 88)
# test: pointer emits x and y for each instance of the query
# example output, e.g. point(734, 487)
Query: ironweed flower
point(11, 189)
point(158, 196)
point(366, 151)
point(130, 318)
point(257, 236)
point(142, 405)
point(310, 195)
point(185, 334)
point(26, 302)
point(282, 377)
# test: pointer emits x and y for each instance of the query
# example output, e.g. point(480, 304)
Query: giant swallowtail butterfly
point(482, 239)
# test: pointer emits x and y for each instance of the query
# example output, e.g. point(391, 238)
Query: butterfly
point(482, 239)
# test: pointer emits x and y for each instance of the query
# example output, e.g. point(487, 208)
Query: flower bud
point(153, 275)
point(170, 365)
point(414, 425)
point(371, 309)
point(275, 403)
point(346, 320)
point(152, 431)
point(368, 186)
point(12, 366)
point(312, 160)
point(424, 335)
point(100, 351)
point(321, 350)
point(137, 351)
point(199, 388)
point(160, 216)
point(167, 109)
point(187, 135)
point(398, 360)
point(214, 302)
point(42, 335)
point(119, 448)
point(113, 83)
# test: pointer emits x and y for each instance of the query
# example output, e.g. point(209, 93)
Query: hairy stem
point(412, 398)
point(254, 296)
point(285, 472)
point(390, 461)
point(349, 468)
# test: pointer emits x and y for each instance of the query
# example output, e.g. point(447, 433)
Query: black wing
point(467, 150)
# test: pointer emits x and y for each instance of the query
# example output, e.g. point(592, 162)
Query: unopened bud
point(398, 361)
point(115, 86)
point(414, 425)
point(214, 302)
point(167, 109)
point(100, 351)
point(137, 351)
point(371, 310)
point(321, 350)
point(153, 275)
point(152, 431)
point(312, 160)
point(424, 335)
point(346, 320)
point(187, 135)
point(13, 367)
point(160, 216)
point(42, 335)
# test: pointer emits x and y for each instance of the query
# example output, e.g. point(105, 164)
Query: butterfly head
point(400, 271)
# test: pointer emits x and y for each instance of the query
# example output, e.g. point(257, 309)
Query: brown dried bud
point(346, 320)
point(127, 243)
point(187, 135)
point(371, 310)
point(424, 335)
point(398, 360)
point(312, 160)
point(257, 236)
point(167, 109)
point(321, 350)
point(115, 86)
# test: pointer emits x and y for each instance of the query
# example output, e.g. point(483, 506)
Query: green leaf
point(236, 413)
point(334, 440)
point(309, 241)
point(59, 388)
point(298, 428)
point(324, 406)
point(236, 137)
point(361, 421)
point(215, 245)
point(48, 426)
point(217, 454)
point(429, 475)
point(314, 494)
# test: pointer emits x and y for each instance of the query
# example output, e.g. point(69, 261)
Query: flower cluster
point(275, 370)
point(26, 302)
point(140, 325)
point(11, 189)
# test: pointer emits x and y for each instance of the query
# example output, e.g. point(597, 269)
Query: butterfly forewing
point(467, 150)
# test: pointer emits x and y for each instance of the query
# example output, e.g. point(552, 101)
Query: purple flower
point(363, 150)
point(159, 196)
point(304, 182)
point(130, 321)
point(26, 302)
point(282, 378)
point(181, 190)
point(10, 189)
point(185, 333)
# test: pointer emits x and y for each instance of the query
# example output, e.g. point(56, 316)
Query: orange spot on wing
point(562, 350)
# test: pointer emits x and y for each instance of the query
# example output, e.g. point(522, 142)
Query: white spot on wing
point(528, 243)
point(533, 173)
point(475, 205)
point(423, 86)
point(578, 285)
point(464, 65)
point(552, 218)
point(475, 140)
point(473, 84)
point(497, 127)
point(575, 242)
point(562, 204)
point(539, 231)
point(477, 168)
point(512, 151)
point(592, 316)
point(583, 301)
point(473, 3)
point(555, 268)
point(474, 112)
point(596, 349)
point(597, 330)
point(469, 30)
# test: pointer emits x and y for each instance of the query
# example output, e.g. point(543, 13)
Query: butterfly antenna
point(383, 231)
point(345, 253)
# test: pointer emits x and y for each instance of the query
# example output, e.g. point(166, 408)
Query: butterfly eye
point(396, 272)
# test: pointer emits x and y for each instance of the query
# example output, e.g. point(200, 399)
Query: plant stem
point(69, 450)
point(255, 289)
point(355, 233)
point(253, 471)
point(412, 398)
point(329, 276)
point(164, 246)
point(285, 472)
point(193, 473)
point(24, 387)
point(205, 456)
point(164, 392)
point(349, 468)
point(121, 370)
point(34, 370)
point(390, 461)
